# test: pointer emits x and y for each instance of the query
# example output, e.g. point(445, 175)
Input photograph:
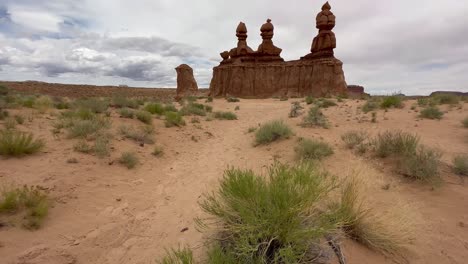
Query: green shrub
point(61, 105)
point(43, 103)
point(178, 256)
point(460, 165)
point(232, 100)
point(272, 131)
point(170, 108)
point(309, 100)
point(251, 129)
point(123, 101)
point(129, 160)
point(83, 147)
point(27, 101)
point(394, 101)
point(225, 115)
point(395, 143)
point(369, 106)
point(354, 138)
point(154, 108)
point(465, 122)
point(158, 151)
point(102, 146)
point(15, 143)
point(313, 149)
point(295, 109)
point(426, 101)
point(275, 219)
point(144, 117)
point(194, 109)
point(446, 99)
point(141, 135)
point(325, 103)
point(315, 117)
point(174, 119)
point(85, 128)
point(431, 112)
point(126, 113)
point(421, 165)
point(95, 105)
point(30, 200)
point(19, 119)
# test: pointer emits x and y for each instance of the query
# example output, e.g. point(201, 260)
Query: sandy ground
point(108, 214)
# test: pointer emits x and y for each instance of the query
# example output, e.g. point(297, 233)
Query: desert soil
point(104, 213)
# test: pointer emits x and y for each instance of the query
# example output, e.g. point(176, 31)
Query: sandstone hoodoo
point(263, 73)
point(186, 83)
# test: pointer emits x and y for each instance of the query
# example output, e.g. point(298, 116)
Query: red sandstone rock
point(267, 48)
point(324, 43)
point(186, 84)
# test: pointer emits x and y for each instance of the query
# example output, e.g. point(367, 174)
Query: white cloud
point(34, 19)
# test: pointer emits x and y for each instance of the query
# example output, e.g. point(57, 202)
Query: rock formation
point(263, 73)
point(186, 83)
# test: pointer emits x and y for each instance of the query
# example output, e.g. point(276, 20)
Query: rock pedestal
point(263, 73)
point(186, 83)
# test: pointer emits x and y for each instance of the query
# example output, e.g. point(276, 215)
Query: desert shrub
point(421, 165)
point(83, 147)
point(426, 101)
point(325, 103)
point(370, 105)
point(295, 109)
point(309, 100)
point(61, 105)
point(16, 143)
point(158, 151)
point(43, 103)
point(315, 117)
point(154, 108)
point(394, 101)
point(178, 256)
point(9, 123)
point(102, 146)
point(140, 135)
point(232, 100)
point(83, 114)
point(144, 117)
point(3, 90)
point(395, 143)
point(460, 165)
point(251, 129)
point(129, 160)
point(19, 119)
point(209, 99)
point(272, 131)
point(387, 232)
point(225, 115)
point(313, 149)
point(27, 101)
point(465, 122)
point(274, 219)
point(446, 99)
point(123, 101)
point(174, 119)
point(170, 108)
point(431, 112)
point(30, 202)
point(354, 138)
point(194, 109)
point(126, 113)
point(78, 128)
point(96, 105)
point(190, 99)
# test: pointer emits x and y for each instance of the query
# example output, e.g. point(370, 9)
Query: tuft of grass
point(102, 146)
point(313, 149)
point(126, 113)
point(446, 99)
point(124, 102)
point(140, 135)
point(389, 232)
point(272, 131)
point(465, 122)
point(460, 165)
point(158, 151)
point(395, 143)
point(295, 109)
point(15, 143)
point(129, 160)
point(325, 103)
point(83, 147)
point(95, 105)
point(43, 103)
point(274, 219)
point(309, 100)
point(422, 165)
point(225, 115)
point(171, 108)
point(195, 109)
point(251, 129)
point(144, 117)
point(369, 106)
point(85, 128)
point(174, 119)
point(431, 112)
point(154, 108)
point(354, 138)
point(19, 119)
point(178, 256)
point(232, 100)
point(315, 118)
point(393, 101)
point(30, 202)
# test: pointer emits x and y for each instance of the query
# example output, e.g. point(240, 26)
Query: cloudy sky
point(387, 46)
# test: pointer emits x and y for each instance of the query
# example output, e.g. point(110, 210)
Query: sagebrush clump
point(315, 118)
point(354, 138)
point(313, 149)
point(16, 143)
point(129, 160)
point(272, 131)
point(225, 115)
point(431, 112)
point(460, 165)
point(174, 119)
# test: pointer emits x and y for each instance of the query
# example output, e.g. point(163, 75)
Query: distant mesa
point(263, 73)
point(449, 92)
point(186, 83)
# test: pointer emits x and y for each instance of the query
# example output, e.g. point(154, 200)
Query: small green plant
point(272, 131)
point(123, 101)
point(309, 100)
point(394, 101)
point(144, 117)
point(19, 119)
point(313, 149)
point(325, 103)
point(85, 128)
point(178, 256)
point(15, 143)
point(195, 109)
point(295, 109)
point(95, 105)
point(395, 143)
point(154, 108)
point(129, 160)
point(465, 122)
point(126, 113)
point(174, 119)
point(171, 108)
point(158, 151)
point(102, 146)
point(370, 105)
point(315, 118)
point(30, 202)
point(431, 112)
point(43, 103)
point(460, 165)
point(232, 100)
point(422, 165)
point(251, 129)
point(140, 135)
point(225, 115)
point(353, 139)
point(82, 146)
